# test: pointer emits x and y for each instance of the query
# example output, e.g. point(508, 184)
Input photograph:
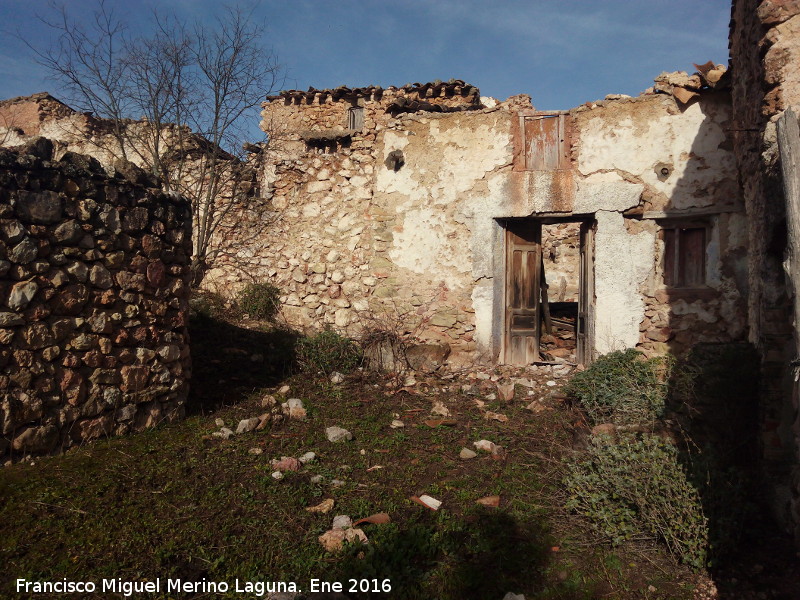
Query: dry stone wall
point(93, 301)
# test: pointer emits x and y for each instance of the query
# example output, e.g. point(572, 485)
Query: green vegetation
point(637, 487)
point(327, 351)
point(621, 387)
point(260, 300)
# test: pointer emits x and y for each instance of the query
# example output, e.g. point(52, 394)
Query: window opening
point(685, 255)
point(355, 118)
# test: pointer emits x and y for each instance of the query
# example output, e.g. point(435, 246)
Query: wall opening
point(549, 291)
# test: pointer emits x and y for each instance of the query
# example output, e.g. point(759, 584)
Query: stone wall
point(765, 52)
point(93, 301)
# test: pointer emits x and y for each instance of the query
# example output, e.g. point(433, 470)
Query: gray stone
point(223, 433)
point(337, 434)
point(24, 252)
point(78, 270)
point(21, 294)
point(68, 232)
point(13, 230)
point(39, 207)
point(169, 353)
point(246, 425)
point(9, 319)
point(466, 454)
point(100, 277)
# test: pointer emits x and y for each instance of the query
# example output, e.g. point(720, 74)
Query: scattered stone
point(223, 433)
point(485, 445)
point(323, 507)
point(467, 454)
point(427, 501)
point(551, 383)
point(505, 391)
point(317, 478)
point(277, 475)
point(263, 421)
point(268, 401)
point(493, 416)
point(294, 409)
point(490, 501)
point(337, 434)
point(286, 463)
point(337, 377)
point(337, 483)
point(246, 425)
point(342, 522)
point(440, 409)
point(255, 451)
point(334, 540)
point(284, 390)
point(396, 424)
point(513, 596)
point(308, 457)
point(536, 407)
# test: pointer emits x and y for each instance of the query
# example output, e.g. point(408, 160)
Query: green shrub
point(637, 488)
point(328, 351)
point(260, 300)
point(621, 387)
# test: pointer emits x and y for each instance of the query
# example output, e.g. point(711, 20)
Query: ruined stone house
point(496, 232)
point(511, 235)
point(430, 204)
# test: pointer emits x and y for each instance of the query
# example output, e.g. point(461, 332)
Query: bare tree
point(190, 90)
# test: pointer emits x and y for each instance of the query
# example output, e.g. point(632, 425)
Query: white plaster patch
point(622, 262)
point(482, 299)
point(606, 195)
point(424, 247)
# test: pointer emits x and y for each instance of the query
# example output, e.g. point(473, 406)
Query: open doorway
point(549, 304)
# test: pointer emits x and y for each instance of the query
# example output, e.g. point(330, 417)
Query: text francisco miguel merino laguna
point(155, 586)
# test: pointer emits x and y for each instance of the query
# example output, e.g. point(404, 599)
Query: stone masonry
point(93, 301)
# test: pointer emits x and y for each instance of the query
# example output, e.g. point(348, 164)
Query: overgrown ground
point(175, 502)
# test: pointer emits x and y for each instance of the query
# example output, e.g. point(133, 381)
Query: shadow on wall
point(718, 386)
point(229, 362)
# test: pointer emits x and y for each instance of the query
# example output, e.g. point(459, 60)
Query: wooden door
point(584, 327)
point(523, 268)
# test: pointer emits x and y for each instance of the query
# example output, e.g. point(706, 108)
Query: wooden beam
point(548, 324)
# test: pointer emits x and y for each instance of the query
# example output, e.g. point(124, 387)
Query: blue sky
point(561, 52)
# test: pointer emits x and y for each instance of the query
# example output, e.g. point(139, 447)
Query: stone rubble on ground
point(467, 454)
point(247, 425)
point(337, 434)
point(337, 377)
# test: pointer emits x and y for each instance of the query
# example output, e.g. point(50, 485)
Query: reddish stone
point(151, 246)
point(130, 281)
point(122, 337)
point(70, 360)
point(139, 264)
point(72, 386)
point(93, 359)
point(134, 378)
point(155, 273)
point(71, 300)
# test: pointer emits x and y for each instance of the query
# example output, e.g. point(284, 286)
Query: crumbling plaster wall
point(354, 233)
point(621, 148)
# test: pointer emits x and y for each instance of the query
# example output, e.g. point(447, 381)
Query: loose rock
point(337, 434)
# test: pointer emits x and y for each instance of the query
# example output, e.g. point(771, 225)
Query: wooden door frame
point(586, 301)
